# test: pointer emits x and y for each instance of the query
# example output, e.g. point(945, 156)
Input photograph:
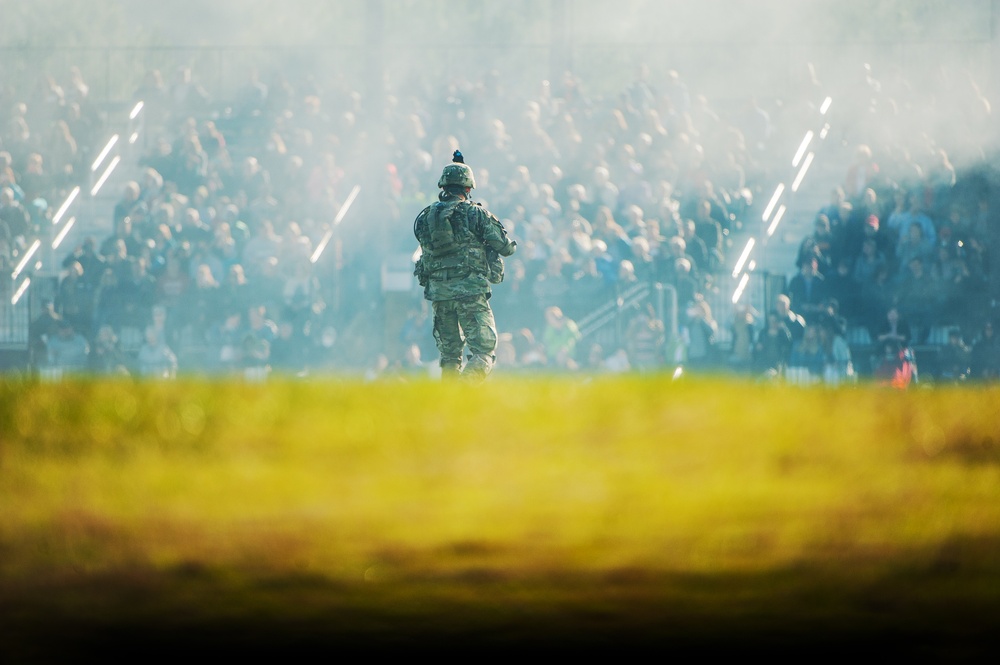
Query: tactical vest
point(447, 242)
point(440, 224)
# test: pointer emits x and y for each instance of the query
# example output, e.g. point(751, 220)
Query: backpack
point(442, 234)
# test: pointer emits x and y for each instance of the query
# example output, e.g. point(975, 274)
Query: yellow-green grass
point(609, 511)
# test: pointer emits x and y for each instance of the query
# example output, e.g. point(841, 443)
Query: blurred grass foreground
point(619, 513)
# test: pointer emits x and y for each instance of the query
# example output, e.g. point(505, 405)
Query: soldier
point(461, 245)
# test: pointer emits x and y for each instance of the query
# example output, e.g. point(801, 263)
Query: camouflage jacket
point(461, 244)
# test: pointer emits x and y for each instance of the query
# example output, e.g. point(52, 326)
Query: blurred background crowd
point(249, 232)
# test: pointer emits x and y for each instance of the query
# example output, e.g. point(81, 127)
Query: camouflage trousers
point(465, 321)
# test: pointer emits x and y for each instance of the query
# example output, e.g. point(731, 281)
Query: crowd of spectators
point(209, 267)
point(218, 227)
point(897, 268)
point(894, 278)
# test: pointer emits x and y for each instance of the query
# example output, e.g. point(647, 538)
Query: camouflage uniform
point(461, 244)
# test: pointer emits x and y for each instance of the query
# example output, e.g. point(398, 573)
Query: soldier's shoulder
point(482, 210)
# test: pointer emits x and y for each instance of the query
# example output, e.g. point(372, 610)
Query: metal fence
point(14, 315)
point(608, 323)
point(22, 302)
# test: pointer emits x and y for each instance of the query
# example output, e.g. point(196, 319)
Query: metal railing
point(15, 317)
point(609, 322)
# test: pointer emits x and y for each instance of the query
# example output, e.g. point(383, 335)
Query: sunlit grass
point(610, 492)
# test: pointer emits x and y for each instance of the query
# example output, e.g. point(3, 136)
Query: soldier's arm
point(419, 222)
point(493, 234)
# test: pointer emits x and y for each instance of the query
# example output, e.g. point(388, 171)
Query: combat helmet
point(457, 173)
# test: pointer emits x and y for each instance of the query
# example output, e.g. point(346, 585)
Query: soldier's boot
point(451, 369)
point(479, 367)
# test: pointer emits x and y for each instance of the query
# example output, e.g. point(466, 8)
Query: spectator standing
point(894, 329)
point(106, 354)
point(840, 225)
point(954, 359)
point(699, 333)
point(877, 296)
point(612, 235)
point(694, 249)
point(87, 256)
point(67, 351)
point(845, 290)
point(709, 230)
point(808, 290)
point(8, 176)
point(260, 335)
point(832, 209)
point(172, 285)
point(666, 263)
point(130, 205)
point(808, 353)
point(137, 295)
point(63, 155)
point(602, 189)
point(908, 213)
point(14, 218)
point(818, 245)
point(156, 359)
point(643, 264)
point(225, 343)
point(952, 274)
point(40, 329)
point(191, 166)
point(920, 297)
point(191, 228)
point(204, 309)
point(108, 308)
point(75, 299)
point(224, 248)
point(744, 330)
point(35, 180)
point(914, 245)
point(301, 295)
point(868, 262)
point(984, 361)
point(627, 279)
point(838, 366)
point(864, 222)
point(126, 235)
point(792, 320)
point(235, 291)
point(688, 287)
point(559, 339)
point(262, 246)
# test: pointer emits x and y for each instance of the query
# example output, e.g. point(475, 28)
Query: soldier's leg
point(448, 337)
point(476, 319)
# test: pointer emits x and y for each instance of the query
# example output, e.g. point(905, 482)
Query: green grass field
point(612, 513)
